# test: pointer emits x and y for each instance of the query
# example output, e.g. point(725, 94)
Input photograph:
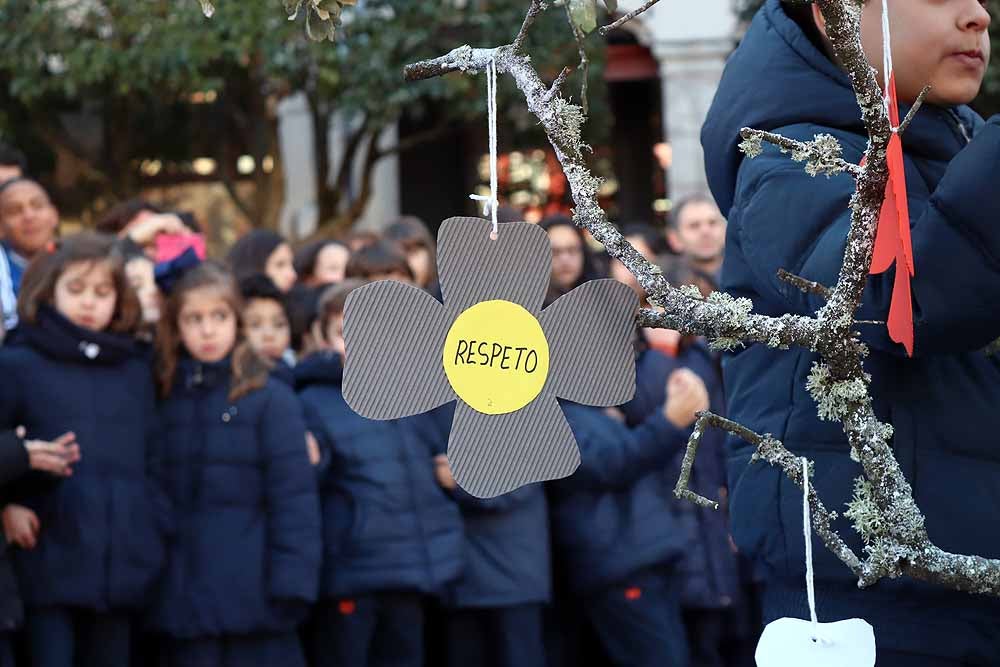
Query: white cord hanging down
point(886, 55)
point(491, 203)
point(807, 532)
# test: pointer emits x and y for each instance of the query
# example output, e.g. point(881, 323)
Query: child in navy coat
point(17, 458)
point(91, 545)
point(942, 401)
point(614, 538)
point(243, 567)
point(390, 533)
point(496, 607)
point(707, 573)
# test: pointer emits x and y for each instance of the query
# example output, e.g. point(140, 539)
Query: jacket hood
point(777, 77)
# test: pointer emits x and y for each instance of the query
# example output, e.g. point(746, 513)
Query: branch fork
point(839, 383)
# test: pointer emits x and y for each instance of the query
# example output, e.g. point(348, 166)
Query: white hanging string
point(491, 203)
point(807, 532)
point(886, 55)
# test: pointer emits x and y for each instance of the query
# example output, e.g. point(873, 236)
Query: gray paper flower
point(395, 337)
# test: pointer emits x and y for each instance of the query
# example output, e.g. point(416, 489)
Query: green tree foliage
point(134, 66)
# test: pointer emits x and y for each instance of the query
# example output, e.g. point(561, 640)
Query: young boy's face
point(266, 328)
point(27, 218)
point(941, 43)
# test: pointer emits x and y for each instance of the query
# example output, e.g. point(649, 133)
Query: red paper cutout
point(892, 238)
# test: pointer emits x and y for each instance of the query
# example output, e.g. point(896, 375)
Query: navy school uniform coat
point(942, 402)
point(387, 524)
point(14, 463)
point(507, 544)
point(101, 544)
point(708, 570)
point(247, 552)
point(613, 517)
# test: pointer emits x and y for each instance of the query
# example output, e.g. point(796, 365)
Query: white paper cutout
point(788, 642)
point(794, 642)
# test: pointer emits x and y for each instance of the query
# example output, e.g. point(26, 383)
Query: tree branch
point(773, 452)
point(628, 17)
point(913, 110)
point(821, 155)
point(416, 139)
point(536, 8)
point(350, 149)
point(807, 286)
point(682, 489)
point(227, 181)
point(838, 383)
point(578, 36)
point(557, 84)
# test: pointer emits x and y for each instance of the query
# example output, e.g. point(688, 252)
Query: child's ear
point(819, 20)
point(318, 335)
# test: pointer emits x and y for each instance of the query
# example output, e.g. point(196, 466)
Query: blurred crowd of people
point(184, 484)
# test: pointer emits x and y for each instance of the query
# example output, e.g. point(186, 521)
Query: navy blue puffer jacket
point(613, 517)
point(507, 545)
point(942, 402)
point(387, 524)
point(247, 552)
point(101, 544)
point(708, 570)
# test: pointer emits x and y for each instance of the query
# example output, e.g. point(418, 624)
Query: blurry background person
point(416, 241)
point(321, 262)
point(571, 262)
point(696, 231)
point(263, 252)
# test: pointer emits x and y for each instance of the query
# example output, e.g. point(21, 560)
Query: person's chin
point(211, 353)
point(958, 88)
point(88, 323)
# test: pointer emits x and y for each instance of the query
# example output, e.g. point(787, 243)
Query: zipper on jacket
point(963, 133)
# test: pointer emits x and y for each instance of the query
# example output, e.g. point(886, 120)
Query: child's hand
point(20, 526)
point(54, 457)
point(145, 231)
point(442, 470)
point(615, 414)
point(686, 395)
point(312, 448)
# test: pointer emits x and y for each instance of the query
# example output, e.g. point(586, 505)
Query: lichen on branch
point(883, 507)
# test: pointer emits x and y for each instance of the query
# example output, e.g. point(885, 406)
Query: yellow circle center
point(496, 357)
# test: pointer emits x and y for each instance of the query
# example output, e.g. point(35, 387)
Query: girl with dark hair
point(266, 252)
point(91, 545)
point(244, 565)
point(265, 318)
point(412, 235)
point(572, 264)
point(321, 262)
point(382, 260)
